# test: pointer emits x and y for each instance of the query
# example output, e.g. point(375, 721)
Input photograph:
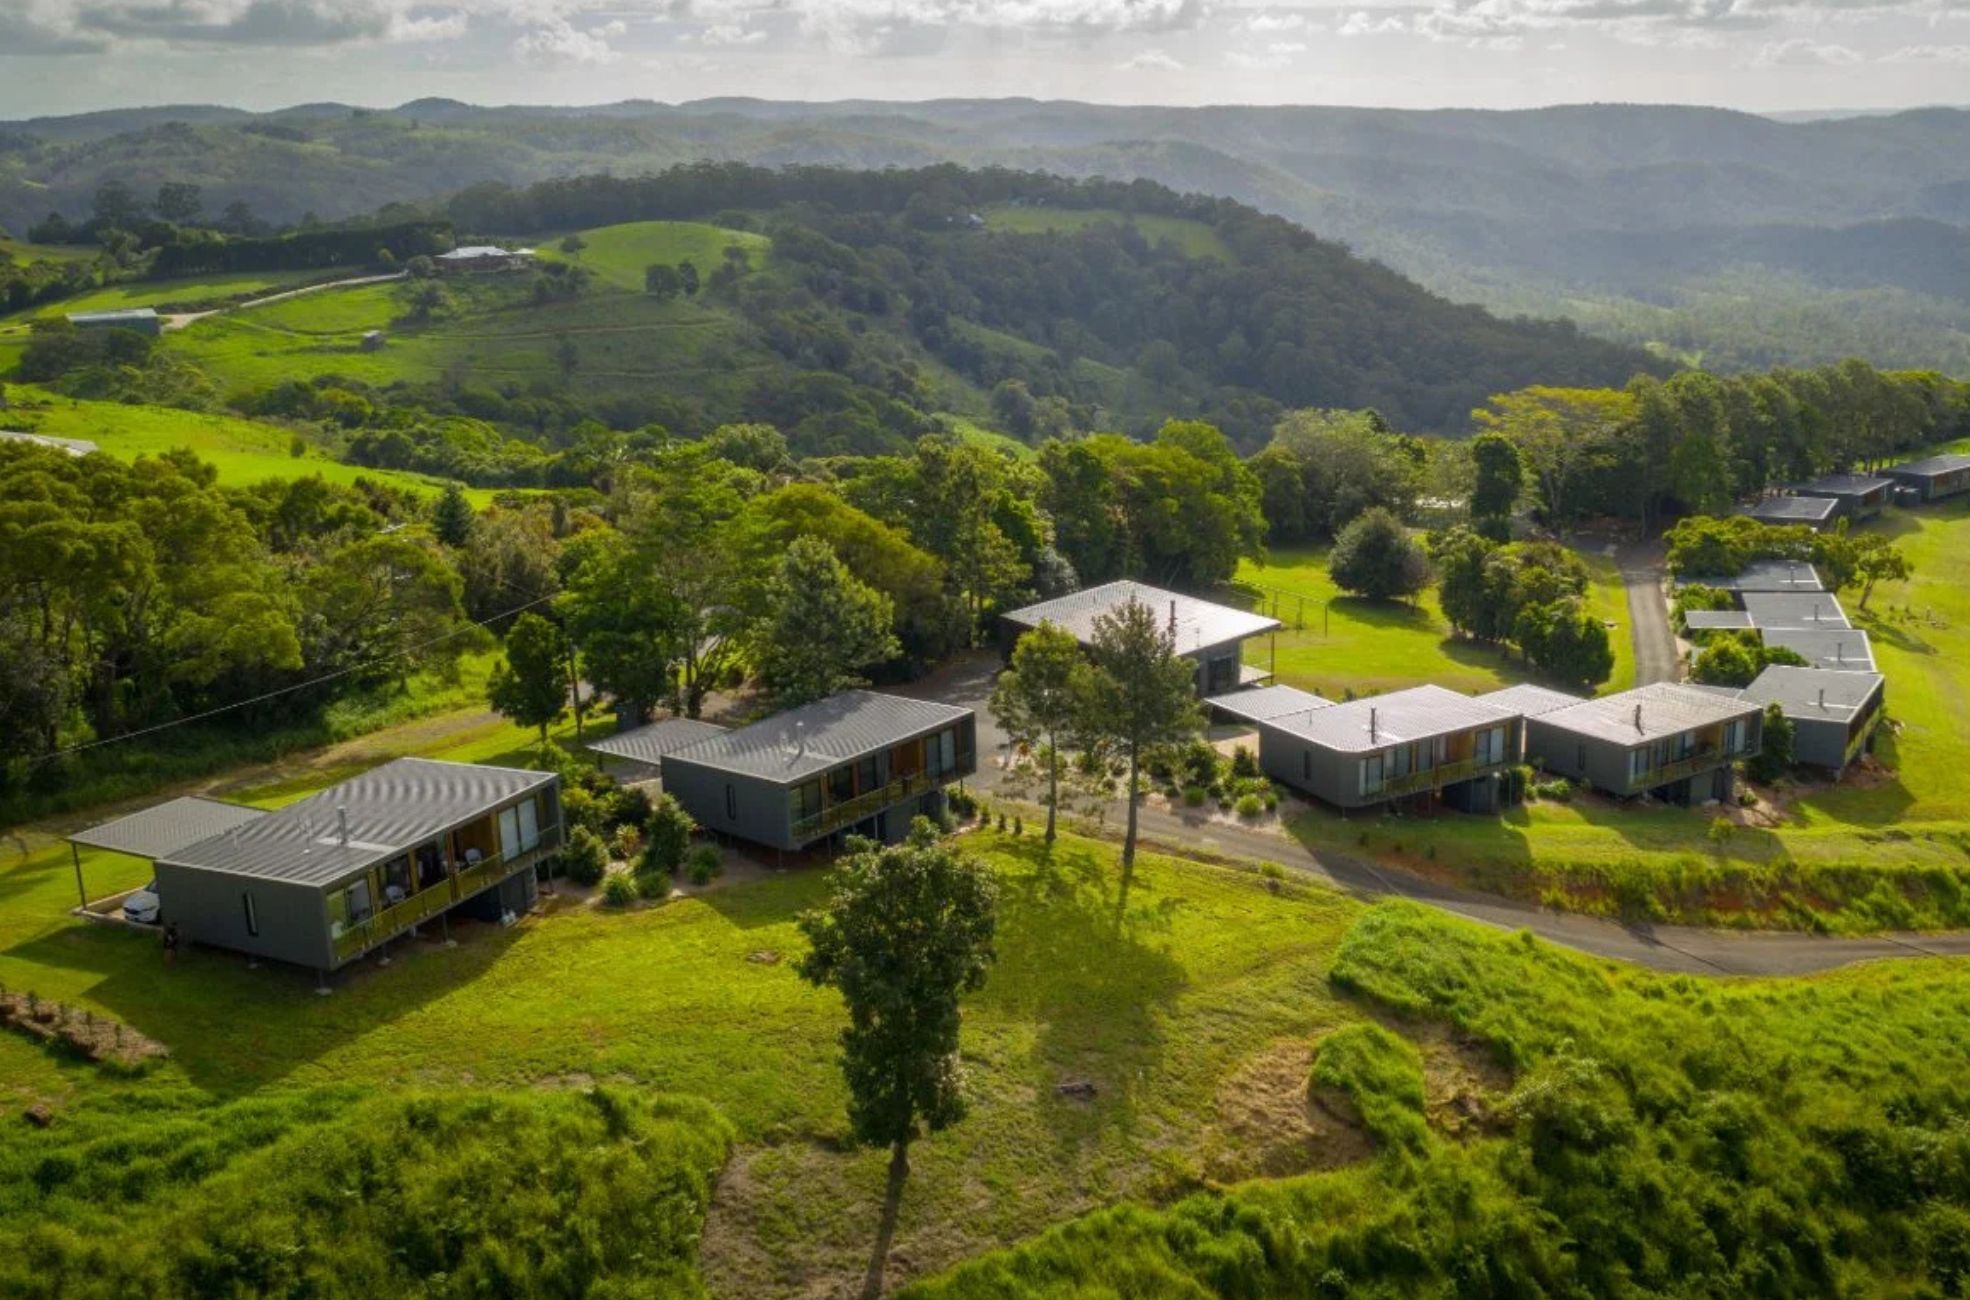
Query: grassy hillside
point(243, 451)
point(618, 254)
point(189, 294)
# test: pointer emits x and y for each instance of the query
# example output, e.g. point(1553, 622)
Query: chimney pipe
point(799, 739)
point(1638, 717)
point(1173, 614)
point(1822, 697)
point(342, 823)
point(1372, 712)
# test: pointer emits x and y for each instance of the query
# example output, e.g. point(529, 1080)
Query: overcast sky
point(60, 56)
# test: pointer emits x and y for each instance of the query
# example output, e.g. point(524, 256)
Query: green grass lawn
point(244, 451)
point(1869, 853)
point(190, 294)
point(1338, 644)
point(1194, 237)
point(618, 254)
point(22, 251)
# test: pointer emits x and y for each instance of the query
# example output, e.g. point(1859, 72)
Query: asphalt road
point(1656, 656)
point(1677, 948)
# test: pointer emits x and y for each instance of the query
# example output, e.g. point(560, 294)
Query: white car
point(142, 906)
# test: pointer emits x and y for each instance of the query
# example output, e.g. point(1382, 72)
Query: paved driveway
point(967, 680)
point(1656, 656)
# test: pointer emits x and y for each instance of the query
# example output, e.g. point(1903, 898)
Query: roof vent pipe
point(342, 823)
point(799, 739)
point(1173, 614)
point(1822, 697)
point(1372, 718)
point(1638, 717)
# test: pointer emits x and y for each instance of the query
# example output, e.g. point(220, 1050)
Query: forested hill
point(1074, 289)
point(1719, 236)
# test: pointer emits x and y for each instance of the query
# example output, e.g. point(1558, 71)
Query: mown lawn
point(618, 254)
point(190, 293)
point(1875, 851)
point(1202, 975)
point(243, 451)
point(1343, 645)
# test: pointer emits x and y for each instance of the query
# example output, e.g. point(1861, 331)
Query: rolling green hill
point(618, 254)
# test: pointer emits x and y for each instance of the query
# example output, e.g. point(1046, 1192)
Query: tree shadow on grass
point(234, 1028)
point(1095, 993)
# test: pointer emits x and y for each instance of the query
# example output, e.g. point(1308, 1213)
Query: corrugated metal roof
point(1716, 620)
point(1198, 623)
point(792, 746)
point(1765, 575)
point(1530, 700)
point(1379, 721)
point(391, 808)
point(1803, 510)
point(1814, 693)
point(1646, 713)
point(1843, 649)
point(1265, 703)
point(1844, 485)
point(1930, 466)
point(165, 828)
point(1783, 609)
point(648, 744)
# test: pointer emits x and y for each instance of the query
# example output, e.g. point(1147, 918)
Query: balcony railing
point(870, 802)
point(426, 903)
point(1433, 778)
point(1707, 760)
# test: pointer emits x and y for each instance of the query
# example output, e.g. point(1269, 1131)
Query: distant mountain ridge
point(1613, 214)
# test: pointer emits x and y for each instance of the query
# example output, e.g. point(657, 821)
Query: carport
point(159, 831)
point(645, 746)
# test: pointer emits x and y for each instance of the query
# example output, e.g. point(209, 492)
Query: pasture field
point(244, 451)
point(188, 294)
point(1883, 849)
point(1342, 645)
point(618, 254)
point(20, 250)
point(1194, 237)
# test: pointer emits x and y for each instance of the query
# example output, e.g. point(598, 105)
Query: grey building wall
point(209, 907)
point(1603, 764)
point(1819, 742)
point(1332, 775)
point(759, 810)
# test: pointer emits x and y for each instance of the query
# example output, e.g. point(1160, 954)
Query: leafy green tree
point(662, 282)
point(1498, 476)
point(667, 836)
point(1774, 757)
point(1375, 557)
point(1141, 695)
point(1039, 697)
point(1565, 640)
point(1736, 659)
point(1563, 435)
point(1879, 560)
point(688, 278)
point(959, 488)
point(179, 202)
point(573, 244)
point(586, 858)
point(905, 933)
point(382, 607)
point(822, 627)
point(626, 626)
point(452, 517)
point(530, 685)
point(751, 446)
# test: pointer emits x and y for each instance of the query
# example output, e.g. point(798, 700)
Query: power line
point(289, 690)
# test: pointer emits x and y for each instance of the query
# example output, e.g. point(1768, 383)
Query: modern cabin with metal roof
point(1834, 714)
point(1763, 575)
point(1209, 634)
point(1778, 610)
point(321, 882)
point(1425, 742)
point(1837, 649)
point(1861, 496)
point(144, 320)
point(643, 748)
point(1816, 513)
point(1668, 740)
point(858, 762)
point(1933, 477)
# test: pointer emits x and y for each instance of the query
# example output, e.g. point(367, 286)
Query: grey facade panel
point(210, 908)
point(731, 803)
point(1304, 762)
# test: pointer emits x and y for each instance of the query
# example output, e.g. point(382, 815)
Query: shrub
point(626, 843)
point(584, 859)
point(1244, 763)
point(1250, 806)
point(962, 803)
point(1195, 795)
point(653, 885)
point(620, 889)
point(1382, 1074)
point(628, 806)
point(1374, 556)
point(703, 864)
point(667, 836)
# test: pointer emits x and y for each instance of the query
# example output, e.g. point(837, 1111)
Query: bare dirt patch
point(1268, 1126)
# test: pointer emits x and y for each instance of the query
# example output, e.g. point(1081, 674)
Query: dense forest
point(1608, 213)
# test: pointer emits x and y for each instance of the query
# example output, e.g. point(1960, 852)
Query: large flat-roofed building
point(1840, 649)
point(1933, 477)
point(1209, 634)
point(859, 762)
point(1422, 742)
point(1778, 610)
point(1833, 714)
point(1763, 575)
point(321, 882)
point(1668, 740)
point(1816, 513)
point(144, 320)
point(1861, 496)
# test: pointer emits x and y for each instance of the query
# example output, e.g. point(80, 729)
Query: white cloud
point(1929, 54)
point(731, 34)
point(557, 40)
point(1151, 61)
point(1363, 23)
point(1801, 51)
point(1290, 21)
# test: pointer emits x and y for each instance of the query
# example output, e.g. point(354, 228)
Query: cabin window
point(252, 916)
point(1398, 762)
point(841, 784)
point(350, 906)
point(1488, 746)
point(1638, 763)
point(731, 803)
point(807, 800)
point(867, 774)
point(1373, 773)
point(941, 751)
